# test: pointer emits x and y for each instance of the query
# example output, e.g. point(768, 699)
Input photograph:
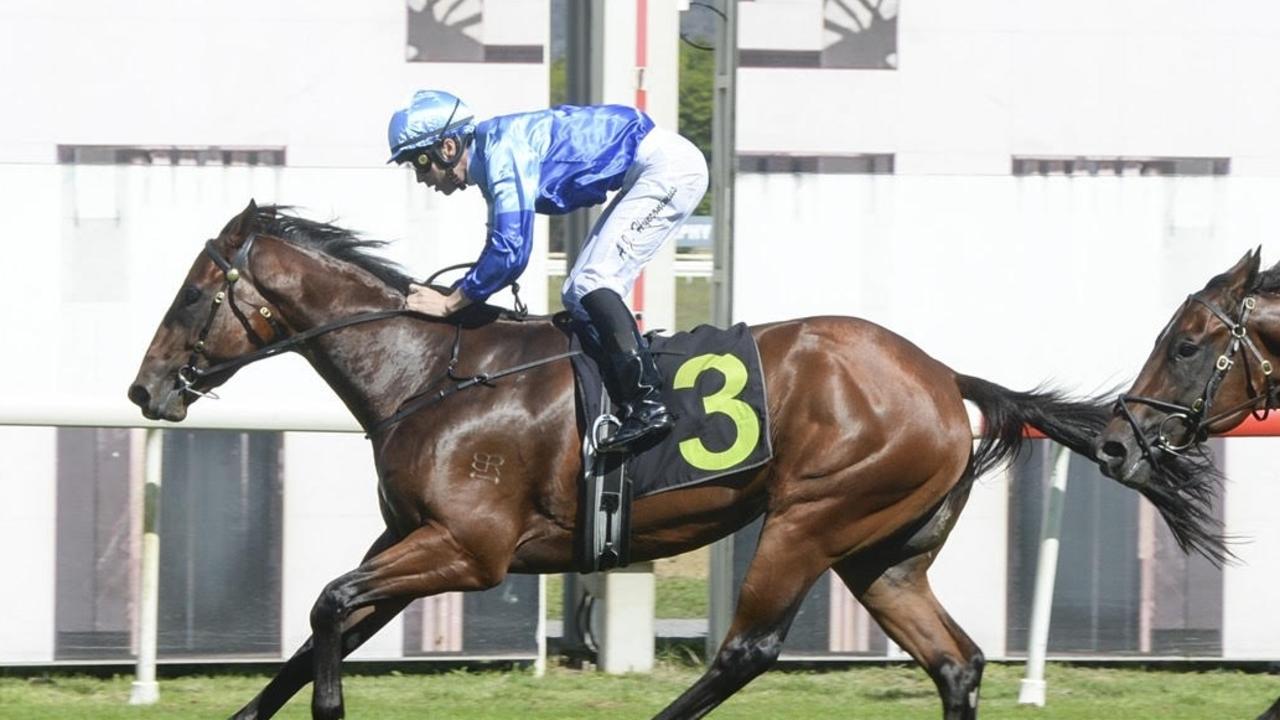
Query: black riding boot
point(631, 375)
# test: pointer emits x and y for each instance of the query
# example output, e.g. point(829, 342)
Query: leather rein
point(1195, 420)
point(442, 386)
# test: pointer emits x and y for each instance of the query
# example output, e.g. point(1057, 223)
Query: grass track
point(865, 693)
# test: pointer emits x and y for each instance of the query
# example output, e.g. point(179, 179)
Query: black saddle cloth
point(713, 385)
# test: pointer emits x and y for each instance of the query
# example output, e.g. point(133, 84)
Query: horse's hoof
point(327, 710)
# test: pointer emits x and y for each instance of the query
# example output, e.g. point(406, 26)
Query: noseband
point(1196, 420)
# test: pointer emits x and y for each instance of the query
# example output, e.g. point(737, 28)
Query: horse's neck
point(372, 367)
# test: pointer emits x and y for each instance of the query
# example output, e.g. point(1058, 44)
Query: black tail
point(1073, 423)
point(1181, 489)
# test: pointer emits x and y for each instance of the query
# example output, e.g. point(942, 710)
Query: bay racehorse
point(1212, 367)
point(873, 454)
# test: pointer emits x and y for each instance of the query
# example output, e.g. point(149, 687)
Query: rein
point(1195, 420)
point(189, 374)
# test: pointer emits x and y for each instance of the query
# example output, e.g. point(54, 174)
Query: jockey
point(555, 161)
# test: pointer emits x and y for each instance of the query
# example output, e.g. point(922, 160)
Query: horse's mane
point(331, 240)
point(1266, 281)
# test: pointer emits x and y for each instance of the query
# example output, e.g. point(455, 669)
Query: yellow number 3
point(725, 401)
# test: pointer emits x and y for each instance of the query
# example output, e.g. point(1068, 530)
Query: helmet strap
point(437, 156)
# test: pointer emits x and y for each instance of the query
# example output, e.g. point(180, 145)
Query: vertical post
point(583, 77)
point(626, 624)
point(723, 165)
point(724, 156)
point(146, 690)
point(540, 662)
point(1032, 690)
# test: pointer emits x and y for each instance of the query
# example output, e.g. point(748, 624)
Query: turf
point(864, 693)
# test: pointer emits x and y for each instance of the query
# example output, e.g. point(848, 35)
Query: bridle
point(280, 341)
point(1195, 420)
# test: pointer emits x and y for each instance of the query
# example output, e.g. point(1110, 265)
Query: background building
point(1027, 191)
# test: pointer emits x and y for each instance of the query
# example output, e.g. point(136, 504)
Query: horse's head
point(218, 315)
point(1209, 369)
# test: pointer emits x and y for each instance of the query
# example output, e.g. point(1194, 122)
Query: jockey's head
point(431, 134)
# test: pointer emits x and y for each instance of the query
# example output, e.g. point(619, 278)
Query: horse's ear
point(242, 225)
point(1241, 274)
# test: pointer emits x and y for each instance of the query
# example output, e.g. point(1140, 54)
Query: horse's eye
point(190, 294)
point(1187, 349)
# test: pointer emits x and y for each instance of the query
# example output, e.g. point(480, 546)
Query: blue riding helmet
point(431, 116)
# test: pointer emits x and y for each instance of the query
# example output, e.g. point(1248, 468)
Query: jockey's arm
point(510, 187)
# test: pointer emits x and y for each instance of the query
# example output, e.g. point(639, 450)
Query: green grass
point(1075, 693)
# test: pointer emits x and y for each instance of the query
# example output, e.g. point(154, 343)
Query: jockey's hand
point(429, 301)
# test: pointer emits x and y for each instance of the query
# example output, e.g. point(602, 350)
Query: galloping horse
point(873, 462)
point(1211, 367)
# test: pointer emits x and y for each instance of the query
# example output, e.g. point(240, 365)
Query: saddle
point(714, 387)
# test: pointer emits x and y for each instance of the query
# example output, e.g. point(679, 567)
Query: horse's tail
point(1073, 423)
point(1182, 487)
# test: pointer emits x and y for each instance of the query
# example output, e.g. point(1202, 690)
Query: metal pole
point(540, 662)
point(145, 689)
point(723, 165)
point(1032, 690)
point(584, 61)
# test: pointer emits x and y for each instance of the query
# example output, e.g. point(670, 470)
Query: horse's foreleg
point(426, 562)
point(901, 601)
point(298, 669)
point(1272, 713)
point(781, 573)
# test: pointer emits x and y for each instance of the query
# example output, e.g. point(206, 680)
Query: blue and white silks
point(548, 161)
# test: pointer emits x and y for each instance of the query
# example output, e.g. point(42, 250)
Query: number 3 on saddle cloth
point(714, 387)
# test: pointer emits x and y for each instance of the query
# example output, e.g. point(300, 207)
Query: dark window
point(220, 543)
point(96, 557)
point(864, 164)
point(1161, 166)
point(169, 155)
point(1122, 585)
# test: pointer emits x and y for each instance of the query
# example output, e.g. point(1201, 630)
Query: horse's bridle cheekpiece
point(1195, 420)
point(190, 373)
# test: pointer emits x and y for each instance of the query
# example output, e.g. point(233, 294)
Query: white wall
point(27, 544)
point(980, 81)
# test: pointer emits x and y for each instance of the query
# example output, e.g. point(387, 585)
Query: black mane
point(1267, 281)
point(331, 240)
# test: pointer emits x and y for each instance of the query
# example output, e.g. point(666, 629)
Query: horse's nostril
point(1112, 450)
point(139, 396)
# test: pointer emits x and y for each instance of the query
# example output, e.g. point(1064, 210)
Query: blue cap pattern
point(431, 116)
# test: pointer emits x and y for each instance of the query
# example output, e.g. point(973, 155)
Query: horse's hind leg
point(781, 573)
point(901, 601)
point(1272, 713)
